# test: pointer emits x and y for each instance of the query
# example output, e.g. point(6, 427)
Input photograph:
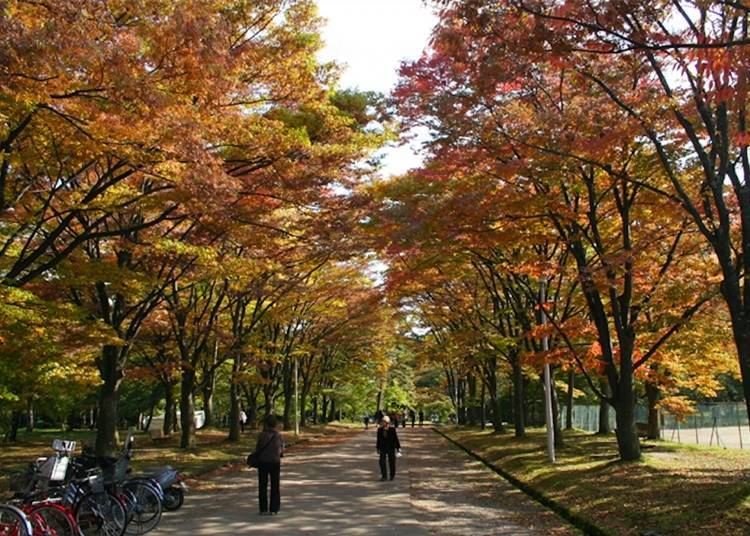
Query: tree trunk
point(169, 408)
point(628, 444)
point(30, 415)
point(653, 395)
point(324, 410)
point(288, 381)
point(569, 399)
point(490, 378)
point(268, 396)
point(527, 406)
point(175, 422)
point(604, 427)
point(234, 401)
point(484, 405)
point(743, 350)
point(111, 374)
point(304, 395)
point(332, 416)
point(461, 402)
point(315, 410)
point(473, 417)
point(736, 292)
point(557, 430)
point(302, 406)
point(15, 424)
point(187, 409)
point(150, 417)
point(208, 398)
point(234, 412)
point(251, 403)
point(519, 420)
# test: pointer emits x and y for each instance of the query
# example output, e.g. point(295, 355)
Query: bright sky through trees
point(371, 38)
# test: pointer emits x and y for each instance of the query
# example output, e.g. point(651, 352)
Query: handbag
point(252, 458)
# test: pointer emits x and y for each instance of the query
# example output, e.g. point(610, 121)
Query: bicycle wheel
point(146, 509)
point(51, 519)
point(100, 514)
point(173, 498)
point(13, 522)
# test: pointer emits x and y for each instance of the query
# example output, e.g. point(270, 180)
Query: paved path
point(337, 490)
point(454, 494)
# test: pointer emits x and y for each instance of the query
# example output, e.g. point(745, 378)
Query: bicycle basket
point(22, 481)
point(55, 468)
point(116, 471)
point(62, 446)
point(97, 484)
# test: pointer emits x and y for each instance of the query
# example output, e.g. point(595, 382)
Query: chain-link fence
point(722, 424)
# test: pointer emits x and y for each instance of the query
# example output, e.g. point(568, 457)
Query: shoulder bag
point(252, 458)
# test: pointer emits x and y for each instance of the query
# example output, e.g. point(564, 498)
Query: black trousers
point(391, 463)
point(266, 470)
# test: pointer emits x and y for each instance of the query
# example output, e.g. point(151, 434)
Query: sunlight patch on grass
point(674, 489)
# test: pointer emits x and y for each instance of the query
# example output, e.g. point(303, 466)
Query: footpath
point(336, 489)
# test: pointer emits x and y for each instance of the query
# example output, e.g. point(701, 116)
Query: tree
point(693, 58)
point(531, 139)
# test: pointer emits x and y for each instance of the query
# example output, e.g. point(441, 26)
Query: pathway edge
point(579, 522)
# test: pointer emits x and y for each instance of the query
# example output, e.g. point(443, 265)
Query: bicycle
point(58, 502)
point(13, 522)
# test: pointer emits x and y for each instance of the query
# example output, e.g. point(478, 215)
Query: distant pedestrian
point(379, 416)
point(421, 417)
point(366, 420)
point(387, 444)
point(243, 420)
point(413, 417)
point(270, 449)
point(404, 418)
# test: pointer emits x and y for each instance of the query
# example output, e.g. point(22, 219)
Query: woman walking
point(387, 445)
point(270, 449)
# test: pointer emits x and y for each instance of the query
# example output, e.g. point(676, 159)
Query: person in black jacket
point(387, 445)
point(270, 449)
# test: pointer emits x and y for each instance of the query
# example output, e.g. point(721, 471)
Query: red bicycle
point(13, 522)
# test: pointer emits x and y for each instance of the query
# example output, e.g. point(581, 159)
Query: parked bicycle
point(145, 496)
point(85, 495)
point(13, 522)
point(57, 503)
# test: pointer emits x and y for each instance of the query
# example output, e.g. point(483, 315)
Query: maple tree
point(688, 62)
point(521, 135)
point(146, 145)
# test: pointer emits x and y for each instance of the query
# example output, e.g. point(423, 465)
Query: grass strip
point(577, 521)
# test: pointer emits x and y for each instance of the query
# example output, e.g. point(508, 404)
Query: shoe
point(383, 479)
point(274, 513)
point(263, 513)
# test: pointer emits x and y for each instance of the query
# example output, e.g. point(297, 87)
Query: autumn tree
point(549, 146)
point(687, 63)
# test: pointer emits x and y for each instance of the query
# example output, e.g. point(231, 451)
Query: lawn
point(213, 452)
point(675, 489)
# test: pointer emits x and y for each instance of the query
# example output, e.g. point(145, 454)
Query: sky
point(371, 38)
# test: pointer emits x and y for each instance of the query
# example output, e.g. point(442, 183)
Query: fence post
point(695, 425)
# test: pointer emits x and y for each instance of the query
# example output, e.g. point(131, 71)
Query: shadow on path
point(324, 490)
point(452, 493)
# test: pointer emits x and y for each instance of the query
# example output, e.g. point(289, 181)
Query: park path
point(336, 489)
